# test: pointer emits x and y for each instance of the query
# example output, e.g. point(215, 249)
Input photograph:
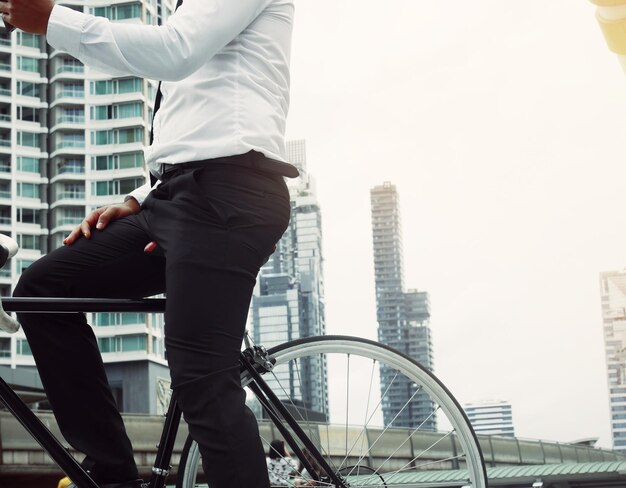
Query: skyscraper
point(403, 316)
point(288, 302)
point(71, 140)
point(491, 417)
point(613, 295)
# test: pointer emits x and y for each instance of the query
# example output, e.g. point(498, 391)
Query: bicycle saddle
point(8, 249)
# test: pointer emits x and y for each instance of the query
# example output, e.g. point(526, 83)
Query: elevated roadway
point(21, 456)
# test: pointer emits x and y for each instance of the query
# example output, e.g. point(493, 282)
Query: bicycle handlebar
point(68, 305)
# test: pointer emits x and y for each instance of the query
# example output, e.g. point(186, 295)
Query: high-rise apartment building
point(288, 302)
point(403, 316)
point(491, 417)
point(71, 140)
point(613, 295)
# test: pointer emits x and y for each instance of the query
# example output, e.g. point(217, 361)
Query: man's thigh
point(216, 228)
point(111, 264)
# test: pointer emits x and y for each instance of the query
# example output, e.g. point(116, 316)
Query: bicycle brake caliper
point(259, 358)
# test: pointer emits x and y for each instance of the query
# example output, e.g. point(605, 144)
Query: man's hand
point(100, 217)
point(28, 15)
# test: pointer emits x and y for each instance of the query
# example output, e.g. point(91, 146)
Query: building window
point(123, 343)
point(131, 160)
point(73, 191)
point(117, 136)
point(70, 216)
point(28, 40)
point(5, 189)
point(76, 166)
point(70, 65)
point(116, 187)
point(27, 89)
point(27, 165)
point(117, 111)
point(72, 116)
point(134, 343)
point(111, 87)
point(28, 64)
point(23, 264)
point(28, 216)
point(105, 319)
point(29, 241)
point(28, 190)
point(5, 215)
point(73, 90)
point(117, 161)
point(5, 347)
point(23, 349)
point(71, 140)
point(28, 114)
point(27, 139)
point(118, 12)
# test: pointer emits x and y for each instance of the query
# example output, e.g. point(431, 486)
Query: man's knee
point(34, 282)
point(25, 286)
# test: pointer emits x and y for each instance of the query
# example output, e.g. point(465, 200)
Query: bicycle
point(364, 456)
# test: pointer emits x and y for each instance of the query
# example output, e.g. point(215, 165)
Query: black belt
point(253, 159)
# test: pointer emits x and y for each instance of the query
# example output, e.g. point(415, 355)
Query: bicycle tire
point(471, 470)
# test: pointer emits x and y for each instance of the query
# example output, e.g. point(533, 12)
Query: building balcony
point(70, 68)
point(71, 119)
point(70, 144)
point(71, 195)
point(68, 177)
point(74, 168)
point(71, 94)
point(71, 221)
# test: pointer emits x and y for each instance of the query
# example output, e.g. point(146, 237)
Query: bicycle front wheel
point(383, 421)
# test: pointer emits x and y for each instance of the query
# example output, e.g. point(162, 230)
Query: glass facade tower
point(288, 302)
point(403, 316)
point(613, 296)
point(71, 140)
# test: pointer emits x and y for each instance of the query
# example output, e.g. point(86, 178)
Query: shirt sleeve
point(139, 194)
point(194, 33)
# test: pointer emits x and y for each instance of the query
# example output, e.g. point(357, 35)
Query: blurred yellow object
point(608, 3)
point(611, 15)
point(64, 482)
point(614, 32)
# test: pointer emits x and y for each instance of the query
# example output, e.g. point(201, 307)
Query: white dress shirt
point(224, 66)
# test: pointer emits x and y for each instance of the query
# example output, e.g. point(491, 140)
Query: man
point(218, 211)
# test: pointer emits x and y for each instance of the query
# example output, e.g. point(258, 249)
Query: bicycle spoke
point(409, 438)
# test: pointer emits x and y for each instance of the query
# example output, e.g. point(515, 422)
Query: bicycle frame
point(40, 432)
point(249, 361)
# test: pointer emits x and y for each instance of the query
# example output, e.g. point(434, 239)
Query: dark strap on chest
point(157, 105)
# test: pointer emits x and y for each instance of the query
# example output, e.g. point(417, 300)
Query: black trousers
point(214, 227)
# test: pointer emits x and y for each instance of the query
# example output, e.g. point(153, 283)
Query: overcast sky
point(502, 124)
